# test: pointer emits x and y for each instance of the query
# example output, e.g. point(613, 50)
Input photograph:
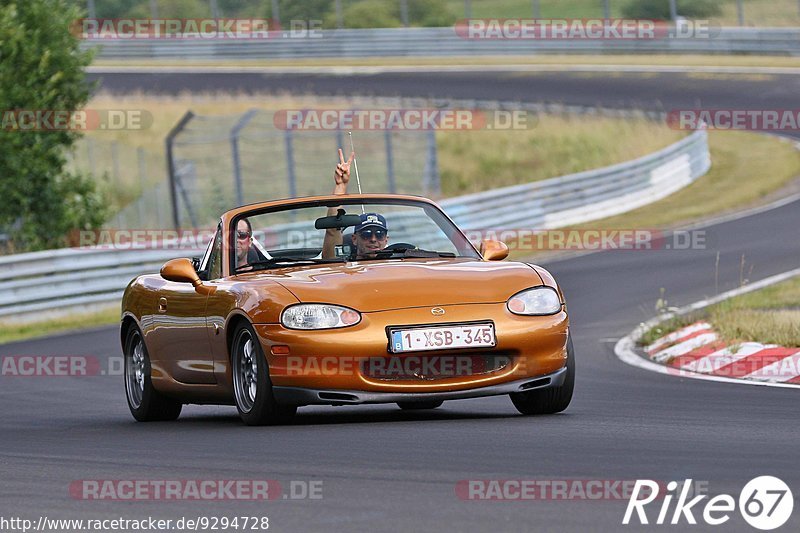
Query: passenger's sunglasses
point(367, 233)
point(243, 234)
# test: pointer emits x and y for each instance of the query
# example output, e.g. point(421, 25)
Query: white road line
point(625, 349)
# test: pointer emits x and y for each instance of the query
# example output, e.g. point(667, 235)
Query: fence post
point(390, 161)
point(237, 166)
point(90, 155)
point(431, 181)
point(142, 185)
point(115, 166)
point(169, 141)
point(290, 164)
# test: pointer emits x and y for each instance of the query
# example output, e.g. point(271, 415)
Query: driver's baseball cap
point(372, 220)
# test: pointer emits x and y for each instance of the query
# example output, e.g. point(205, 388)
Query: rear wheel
point(408, 406)
point(252, 387)
point(145, 402)
point(552, 399)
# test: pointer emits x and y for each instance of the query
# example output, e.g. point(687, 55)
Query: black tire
point(144, 401)
point(252, 388)
point(410, 406)
point(552, 399)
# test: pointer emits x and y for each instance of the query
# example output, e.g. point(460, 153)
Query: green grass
point(746, 168)
point(770, 315)
point(554, 145)
point(15, 330)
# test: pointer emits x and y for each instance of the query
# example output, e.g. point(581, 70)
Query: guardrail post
point(169, 141)
point(237, 167)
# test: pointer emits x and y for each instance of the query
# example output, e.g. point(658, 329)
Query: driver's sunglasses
point(243, 234)
point(367, 234)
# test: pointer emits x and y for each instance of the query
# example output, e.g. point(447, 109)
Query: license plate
point(442, 338)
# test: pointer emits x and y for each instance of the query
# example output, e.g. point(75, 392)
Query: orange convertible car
point(344, 300)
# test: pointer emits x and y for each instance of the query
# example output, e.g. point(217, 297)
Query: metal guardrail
point(41, 281)
point(388, 42)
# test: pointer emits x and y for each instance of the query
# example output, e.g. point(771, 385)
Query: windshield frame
point(451, 230)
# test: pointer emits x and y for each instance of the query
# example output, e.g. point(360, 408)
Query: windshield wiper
point(275, 261)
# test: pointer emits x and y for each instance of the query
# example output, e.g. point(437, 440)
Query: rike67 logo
point(765, 503)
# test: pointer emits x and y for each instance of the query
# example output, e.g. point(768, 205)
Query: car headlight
point(535, 301)
point(319, 316)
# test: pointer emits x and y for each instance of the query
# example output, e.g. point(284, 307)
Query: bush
point(659, 9)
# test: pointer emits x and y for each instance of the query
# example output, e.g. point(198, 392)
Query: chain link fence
point(225, 161)
point(133, 178)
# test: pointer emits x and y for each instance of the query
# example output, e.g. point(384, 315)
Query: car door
point(181, 331)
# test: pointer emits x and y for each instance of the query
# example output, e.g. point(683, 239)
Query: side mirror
point(493, 250)
point(182, 271)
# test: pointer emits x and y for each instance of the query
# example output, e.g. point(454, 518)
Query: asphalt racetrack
point(383, 469)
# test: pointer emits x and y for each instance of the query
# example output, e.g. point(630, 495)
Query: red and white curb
point(696, 351)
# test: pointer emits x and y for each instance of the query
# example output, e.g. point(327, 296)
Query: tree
point(42, 69)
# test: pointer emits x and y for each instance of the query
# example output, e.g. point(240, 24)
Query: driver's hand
point(342, 173)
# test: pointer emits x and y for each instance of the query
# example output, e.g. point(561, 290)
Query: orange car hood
point(393, 284)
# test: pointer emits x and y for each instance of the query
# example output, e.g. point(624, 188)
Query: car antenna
point(355, 164)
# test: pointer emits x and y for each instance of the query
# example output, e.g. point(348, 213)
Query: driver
point(370, 236)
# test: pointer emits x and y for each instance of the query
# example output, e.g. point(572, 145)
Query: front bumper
point(303, 396)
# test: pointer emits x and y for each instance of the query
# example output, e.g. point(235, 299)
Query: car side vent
point(337, 397)
point(535, 384)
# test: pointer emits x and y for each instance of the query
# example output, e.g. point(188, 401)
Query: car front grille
point(424, 367)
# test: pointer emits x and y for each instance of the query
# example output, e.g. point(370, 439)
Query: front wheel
point(145, 402)
point(252, 387)
point(552, 399)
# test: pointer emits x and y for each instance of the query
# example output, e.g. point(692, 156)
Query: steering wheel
point(401, 245)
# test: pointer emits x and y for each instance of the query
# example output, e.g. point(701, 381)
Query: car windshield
point(346, 231)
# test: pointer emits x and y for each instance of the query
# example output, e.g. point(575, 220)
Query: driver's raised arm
point(341, 177)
